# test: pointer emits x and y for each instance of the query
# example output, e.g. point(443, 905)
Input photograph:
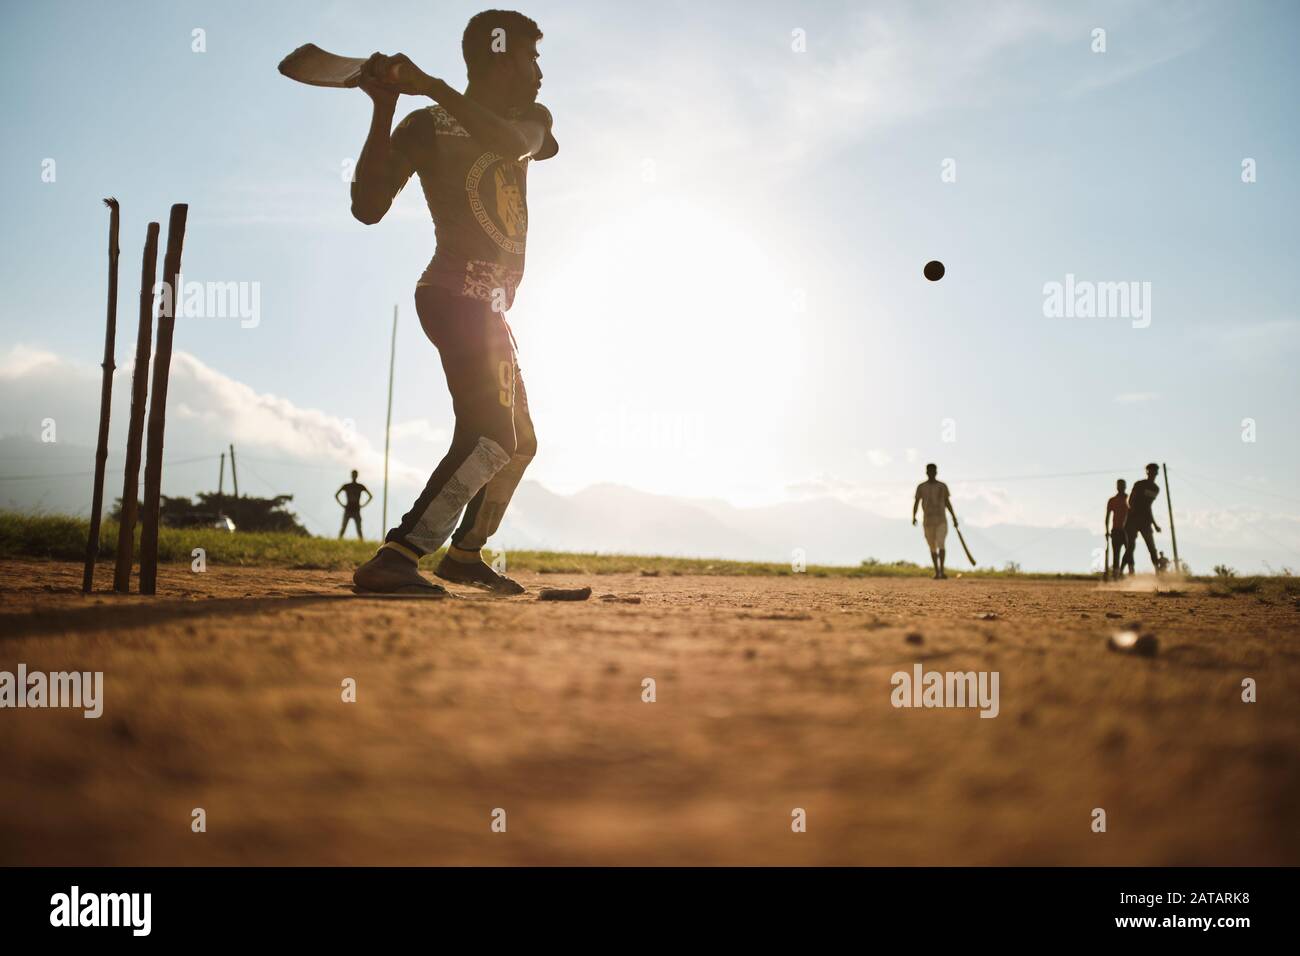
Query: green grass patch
point(64, 538)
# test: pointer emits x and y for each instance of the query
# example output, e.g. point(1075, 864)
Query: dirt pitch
point(773, 693)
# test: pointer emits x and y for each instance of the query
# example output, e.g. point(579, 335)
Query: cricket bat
point(963, 546)
point(316, 67)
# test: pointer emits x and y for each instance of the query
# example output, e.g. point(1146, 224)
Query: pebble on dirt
point(1131, 642)
point(564, 594)
point(614, 598)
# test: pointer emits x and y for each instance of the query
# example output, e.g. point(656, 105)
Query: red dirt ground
point(773, 693)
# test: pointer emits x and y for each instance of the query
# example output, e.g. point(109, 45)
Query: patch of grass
point(1270, 590)
point(64, 538)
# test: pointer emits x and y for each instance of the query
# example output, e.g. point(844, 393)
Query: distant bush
point(210, 510)
point(1223, 571)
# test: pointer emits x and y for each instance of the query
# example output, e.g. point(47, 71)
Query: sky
point(724, 294)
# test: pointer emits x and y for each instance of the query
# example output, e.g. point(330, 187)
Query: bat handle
point(398, 74)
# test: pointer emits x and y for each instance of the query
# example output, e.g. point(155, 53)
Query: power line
point(297, 506)
point(88, 474)
point(292, 464)
point(1069, 474)
point(1195, 482)
point(1230, 484)
point(977, 481)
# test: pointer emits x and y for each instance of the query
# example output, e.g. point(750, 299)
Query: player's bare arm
point(381, 170)
point(516, 138)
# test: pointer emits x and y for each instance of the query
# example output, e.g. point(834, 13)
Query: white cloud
point(1250, 341)
point(284, 447)
point(268, 422)
point(1133, 398)
point(21, 361)
point(420, 429)
point(281, 445)
point(1138, 46)
point(903, 62)
point(879, 457)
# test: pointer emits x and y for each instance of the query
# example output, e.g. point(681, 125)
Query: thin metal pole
point(105, 400)
point(234, 477)
point(388, 425)
point(1173, 537)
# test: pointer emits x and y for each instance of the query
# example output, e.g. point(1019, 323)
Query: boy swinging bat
point(471, 152)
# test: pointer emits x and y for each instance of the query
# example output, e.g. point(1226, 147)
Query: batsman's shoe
point(476, 573)
point(390, 572)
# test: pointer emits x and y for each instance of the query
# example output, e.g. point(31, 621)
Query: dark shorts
point(493, 427)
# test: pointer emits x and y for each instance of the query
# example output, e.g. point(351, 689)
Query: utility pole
point(234, 475)
point(388, 425)
point(234, 479)
point(221, 477)
point(1173, 537)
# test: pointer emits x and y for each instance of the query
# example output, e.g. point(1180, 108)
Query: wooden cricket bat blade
point(964, 548)
point(316, 67)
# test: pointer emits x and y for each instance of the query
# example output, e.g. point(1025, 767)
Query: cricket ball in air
point(934, 270)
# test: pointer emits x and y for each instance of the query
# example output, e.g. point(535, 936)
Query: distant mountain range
point(613, 518)
point(617, 519)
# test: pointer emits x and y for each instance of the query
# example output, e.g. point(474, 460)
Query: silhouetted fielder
point(1140, 518)
point(1113, 525)
point(472, 154)
point(932, 495)
point(352, 504)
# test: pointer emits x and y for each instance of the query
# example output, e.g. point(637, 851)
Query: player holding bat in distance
point(471, 152)
point(933, 498)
